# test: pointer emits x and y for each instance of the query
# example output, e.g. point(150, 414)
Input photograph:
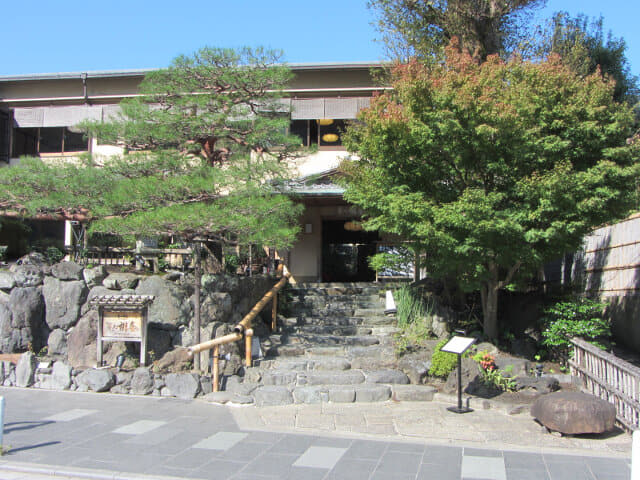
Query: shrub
point(414, 318)
point(442, 363)
point(491, 376)
point(578, 318)
point(53, 254)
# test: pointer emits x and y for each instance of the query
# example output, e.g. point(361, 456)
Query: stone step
point(315, 298)
point(339, 320)
point(327, 330)
point(314, 394)
point(369, 312)
point(329, 340)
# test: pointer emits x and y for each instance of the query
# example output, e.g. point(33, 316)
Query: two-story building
point(38, 113)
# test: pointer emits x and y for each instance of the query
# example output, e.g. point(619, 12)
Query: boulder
point(574, 413)
point(171, 307)
point(121, 281)
point(541, 385)
point(174, 361)
point(97, 380)
point(33, 259)
point(28, 276)
point(7, 281)
point(61, 376)
point(94, 276)
point(57, 342)
point(26, 369)
point(512, 366)
point(63, 300)
point(67, 271)
point(142, 381)
point(183, 385)
point(216, 306)
point(4, 298)
point(28, 328)
point(81, 341)
point(470, 372)
point(415, 367)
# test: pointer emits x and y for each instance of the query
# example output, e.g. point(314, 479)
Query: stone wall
point(48, 306)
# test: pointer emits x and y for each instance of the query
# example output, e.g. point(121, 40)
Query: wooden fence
point(610, 378)
point(609, 263)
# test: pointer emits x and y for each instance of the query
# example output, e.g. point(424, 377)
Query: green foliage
point(411, 28)
point(54, 255)
point(410, 305)
point(584, 46)
point(204, 164)
point(494, 169)
point(414, 318)
point(491, 376)
point(231, 263)
point(578, 318)
point(3, 252)
point(442, 363)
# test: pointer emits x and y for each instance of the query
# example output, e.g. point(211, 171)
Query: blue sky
point(70, 35)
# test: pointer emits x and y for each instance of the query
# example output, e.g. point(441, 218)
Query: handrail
point(243, 328)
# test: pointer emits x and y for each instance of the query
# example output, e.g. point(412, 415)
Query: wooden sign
point(122, 318)
point(119, 325)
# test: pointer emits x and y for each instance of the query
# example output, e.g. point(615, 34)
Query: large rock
point(470, 374)
point(158, 342)
point(541, 385)
point(28, 276)
point(7, 281)
point(81, 341)
point(67, 271)
point(171, 307)
point(415, 367)
point(63, 300)
point(61, 376)
point(142, 381)
point(174, 361)
point(183, 385)
point(26, 369)
point(94, 276)
point(97, 380)
point(33, 259)
point(28, 328)
point(57, 342)
point(574, 413)
point(4, 298)
point(121, 281)
point(217, 306)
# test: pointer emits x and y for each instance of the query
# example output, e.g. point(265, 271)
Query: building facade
point(38, 114)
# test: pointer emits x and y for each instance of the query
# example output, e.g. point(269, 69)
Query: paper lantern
point(330, 137)
point(325, 121)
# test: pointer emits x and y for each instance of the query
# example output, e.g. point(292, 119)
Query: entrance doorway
point(346, 251)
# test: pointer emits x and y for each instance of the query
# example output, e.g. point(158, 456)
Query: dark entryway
point(345, 252)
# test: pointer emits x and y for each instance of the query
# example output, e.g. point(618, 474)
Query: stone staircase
point(336, 346)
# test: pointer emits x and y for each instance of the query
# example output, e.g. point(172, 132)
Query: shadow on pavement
point(16, 426)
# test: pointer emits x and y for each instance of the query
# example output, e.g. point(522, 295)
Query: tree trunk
point(196, 311)
point(490, 308)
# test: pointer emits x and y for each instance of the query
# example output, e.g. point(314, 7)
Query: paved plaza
point(104, 436)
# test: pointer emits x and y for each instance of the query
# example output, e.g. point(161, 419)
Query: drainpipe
point(85, 93)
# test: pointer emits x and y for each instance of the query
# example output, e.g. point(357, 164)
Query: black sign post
point(459, 345)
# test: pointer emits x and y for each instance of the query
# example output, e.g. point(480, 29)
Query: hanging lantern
point(330, 137)
point(353, 226)
point(325, 121)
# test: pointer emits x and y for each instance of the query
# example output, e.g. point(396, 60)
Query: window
point(324, 133)
point(35, 141)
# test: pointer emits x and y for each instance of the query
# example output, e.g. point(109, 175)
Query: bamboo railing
point(610, 378)
point(242, 329)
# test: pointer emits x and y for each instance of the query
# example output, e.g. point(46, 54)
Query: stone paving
point(100, 436)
